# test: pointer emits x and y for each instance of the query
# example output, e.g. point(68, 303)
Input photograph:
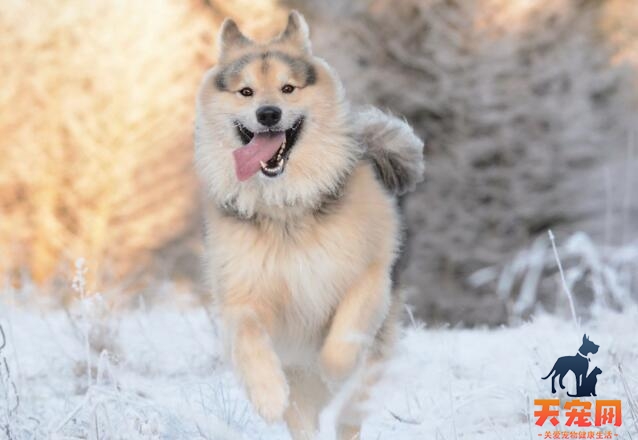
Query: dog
point(578, 363)
point(588, 388)
point(302, 228)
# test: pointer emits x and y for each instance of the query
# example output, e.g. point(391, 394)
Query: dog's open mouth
point(266, 151)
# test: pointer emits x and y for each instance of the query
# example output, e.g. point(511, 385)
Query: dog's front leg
point(355, 322)
point(257, 363)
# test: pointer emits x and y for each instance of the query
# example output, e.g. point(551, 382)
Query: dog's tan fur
point(300, 264)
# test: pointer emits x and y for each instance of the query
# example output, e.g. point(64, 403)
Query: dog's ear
point(585, 338)
point(230, 37)
point(296, 32)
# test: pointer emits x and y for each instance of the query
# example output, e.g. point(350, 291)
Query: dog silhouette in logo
point(579, 364)
point(588, 388)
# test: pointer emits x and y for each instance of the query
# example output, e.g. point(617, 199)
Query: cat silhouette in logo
point(579, 364)
point(588, 388)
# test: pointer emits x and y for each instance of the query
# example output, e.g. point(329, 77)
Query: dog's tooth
point(263, 164)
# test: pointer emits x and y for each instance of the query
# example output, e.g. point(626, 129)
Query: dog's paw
point(270, 397)
point(338, 360)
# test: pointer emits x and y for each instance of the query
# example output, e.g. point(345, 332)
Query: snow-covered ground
point(160, 376)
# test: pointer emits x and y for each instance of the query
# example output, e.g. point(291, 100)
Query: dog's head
point(272, 126)
point(588, 346)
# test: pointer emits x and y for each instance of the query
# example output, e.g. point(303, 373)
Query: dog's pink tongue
point(261, 147)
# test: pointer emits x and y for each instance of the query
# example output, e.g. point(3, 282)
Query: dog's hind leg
point(553, 382)
point(349, 432)
point(355, 410)
point(560, 381)
point(308, 395)
point(353, 413)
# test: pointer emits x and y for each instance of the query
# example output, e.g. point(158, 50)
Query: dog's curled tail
point(393, 148)
point(549, 374)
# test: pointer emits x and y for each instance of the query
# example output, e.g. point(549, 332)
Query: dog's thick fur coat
point(299, 264)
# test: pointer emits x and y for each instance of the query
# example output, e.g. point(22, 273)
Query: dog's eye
point(246, 91)
point(287, 88)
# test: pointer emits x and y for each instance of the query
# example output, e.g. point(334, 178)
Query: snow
point(157, 373)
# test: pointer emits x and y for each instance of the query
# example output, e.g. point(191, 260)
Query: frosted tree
point(528, 119)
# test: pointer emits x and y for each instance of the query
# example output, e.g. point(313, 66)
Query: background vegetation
point(529, 109)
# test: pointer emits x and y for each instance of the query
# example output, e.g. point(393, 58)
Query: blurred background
point(529, 109)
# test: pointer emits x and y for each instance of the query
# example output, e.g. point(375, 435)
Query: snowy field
point(157, 374)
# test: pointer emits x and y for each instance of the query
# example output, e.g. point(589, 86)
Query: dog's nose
point(268, 115)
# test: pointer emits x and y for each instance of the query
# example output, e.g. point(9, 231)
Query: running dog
point(302, 225)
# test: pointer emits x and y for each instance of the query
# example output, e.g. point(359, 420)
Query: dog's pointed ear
point(585, 337)
point(296, 32)
point(230, 37)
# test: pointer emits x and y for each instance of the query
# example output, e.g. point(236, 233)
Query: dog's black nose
point(268, 115)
